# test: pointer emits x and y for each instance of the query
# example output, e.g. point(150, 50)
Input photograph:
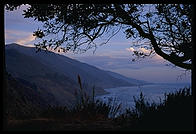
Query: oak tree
point(76, 27)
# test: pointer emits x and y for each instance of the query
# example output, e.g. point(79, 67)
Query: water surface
point(152, 93)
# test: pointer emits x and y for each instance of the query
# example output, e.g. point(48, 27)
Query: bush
point(175, 113)
point(85, 108)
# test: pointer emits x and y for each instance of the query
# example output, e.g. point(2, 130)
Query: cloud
point(26, 40)
point(19, 29)
point(15, 17)
point(117, 60)
point(144, 50)
point(131, 49)
point(19, 37)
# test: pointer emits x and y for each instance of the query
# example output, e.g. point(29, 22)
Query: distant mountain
point(57, 74)
point(127, 79)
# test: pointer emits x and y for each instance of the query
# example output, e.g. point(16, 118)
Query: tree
point(167, 27)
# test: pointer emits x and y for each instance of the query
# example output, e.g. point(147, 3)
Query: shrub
point(175, 113)
point(85, 108)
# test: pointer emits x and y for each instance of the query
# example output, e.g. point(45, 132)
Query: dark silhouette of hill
point(32, 71)
point(175, 113)
point(71, 68)
point(57, 74)
point(25, 99)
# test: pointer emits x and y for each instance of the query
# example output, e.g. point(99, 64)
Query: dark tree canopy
point(75, 27)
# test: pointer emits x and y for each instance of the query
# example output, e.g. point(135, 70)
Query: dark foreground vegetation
point(174, 113)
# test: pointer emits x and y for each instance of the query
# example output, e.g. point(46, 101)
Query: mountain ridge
point(63, 59)
point(57, 73)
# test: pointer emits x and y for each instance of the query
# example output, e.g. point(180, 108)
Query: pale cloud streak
point(152, 68)
point(118, 60)
point(131, 49)
point(19, 37)
point(26, 40)
point(115, 56)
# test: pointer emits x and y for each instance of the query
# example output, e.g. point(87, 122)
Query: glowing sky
point(115, 56)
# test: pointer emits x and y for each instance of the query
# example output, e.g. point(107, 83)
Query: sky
point(114, 56)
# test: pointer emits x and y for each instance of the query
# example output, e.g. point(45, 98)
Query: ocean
point(152, 93)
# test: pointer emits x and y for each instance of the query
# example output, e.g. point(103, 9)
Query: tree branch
point(178, 61)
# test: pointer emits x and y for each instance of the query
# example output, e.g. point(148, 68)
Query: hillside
point(70, 67)
point(57, 74)
point(25, 99)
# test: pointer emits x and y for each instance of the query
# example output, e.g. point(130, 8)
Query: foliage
point(86, 108)
point(175, 113)
point(75, 27)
